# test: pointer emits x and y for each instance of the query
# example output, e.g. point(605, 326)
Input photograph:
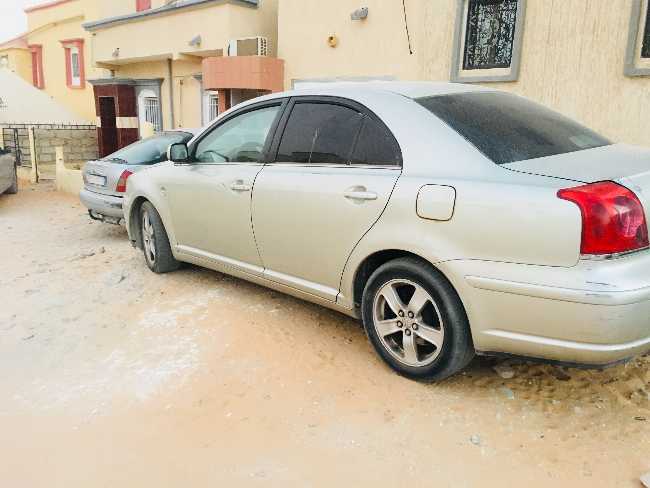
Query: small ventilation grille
point(262, 46)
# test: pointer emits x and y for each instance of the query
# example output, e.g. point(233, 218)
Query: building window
point(487, 40)
point(74, 66)
point(141, 5)
point(213, 106)
point(209, 106)
point(74, 63)
point(490, 34)
point(152, 112)
point(637, 54)
point(37, 66)
point(645, 48)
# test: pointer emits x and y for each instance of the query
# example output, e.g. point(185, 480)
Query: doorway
point(108, 130)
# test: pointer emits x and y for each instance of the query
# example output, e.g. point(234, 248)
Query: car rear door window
point(375, 145)
point(320, 133)
point(507, 128)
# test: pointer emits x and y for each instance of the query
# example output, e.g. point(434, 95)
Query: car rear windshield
point(507, 128)
point(151, 150)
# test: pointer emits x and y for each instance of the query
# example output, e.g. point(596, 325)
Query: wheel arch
point(378, 258)
point(134, 220)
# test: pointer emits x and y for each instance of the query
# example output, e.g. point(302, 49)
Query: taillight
point(121, 183)
point(613, 220)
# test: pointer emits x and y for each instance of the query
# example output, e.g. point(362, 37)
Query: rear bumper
point(106, 205)
point(595, 313)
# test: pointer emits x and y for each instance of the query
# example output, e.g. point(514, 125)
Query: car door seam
point(259, 253)
point(364, 235)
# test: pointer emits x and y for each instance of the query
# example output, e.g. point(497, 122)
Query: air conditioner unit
point(249, 46)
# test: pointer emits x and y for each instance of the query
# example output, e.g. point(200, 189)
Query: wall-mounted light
point(196, 41)
point(360, 14)
point(116, 53)
point(332, 41)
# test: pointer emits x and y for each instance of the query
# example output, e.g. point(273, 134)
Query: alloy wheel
point(148, 238)
point(408, 322)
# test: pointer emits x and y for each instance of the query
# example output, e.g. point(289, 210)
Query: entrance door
point(108, 130)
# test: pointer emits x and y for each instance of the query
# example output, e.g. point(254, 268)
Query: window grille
point(213, 106)
point(152, 112)
point(490, 34)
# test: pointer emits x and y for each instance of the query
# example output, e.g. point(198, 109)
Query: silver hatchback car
point(105, 178)
point(451, 219)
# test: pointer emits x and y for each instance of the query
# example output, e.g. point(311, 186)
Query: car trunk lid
point(101, 176)
point(624, 164)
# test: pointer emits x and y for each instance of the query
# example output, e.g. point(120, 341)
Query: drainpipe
point(171, 89)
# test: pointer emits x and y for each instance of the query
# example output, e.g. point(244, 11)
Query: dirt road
point(113, 376)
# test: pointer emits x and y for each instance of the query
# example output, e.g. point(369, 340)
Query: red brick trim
point(141, 5)
point(37, 65)
point(67, 45)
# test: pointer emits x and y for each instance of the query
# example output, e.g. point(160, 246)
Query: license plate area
point(96, 180)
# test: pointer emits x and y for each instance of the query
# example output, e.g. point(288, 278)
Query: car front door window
point(240, 139)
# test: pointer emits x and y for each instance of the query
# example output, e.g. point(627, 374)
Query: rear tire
point(416, 321)
point(155, 242)
point(13, 189)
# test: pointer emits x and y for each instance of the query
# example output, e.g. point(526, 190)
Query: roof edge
point(42, 6)
point(134, 17)
point(21, 37)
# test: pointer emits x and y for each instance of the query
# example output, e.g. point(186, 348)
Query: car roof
point(409, 89)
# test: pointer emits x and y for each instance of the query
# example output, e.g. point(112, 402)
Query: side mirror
point(178, 153)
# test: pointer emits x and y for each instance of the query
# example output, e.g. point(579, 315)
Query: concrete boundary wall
point(37, 145)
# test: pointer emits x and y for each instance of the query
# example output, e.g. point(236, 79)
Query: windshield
point(151, 150)
point(507, 128)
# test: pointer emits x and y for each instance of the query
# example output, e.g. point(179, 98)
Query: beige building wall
point(19, 61)
point(572, 59)
point(167, 35)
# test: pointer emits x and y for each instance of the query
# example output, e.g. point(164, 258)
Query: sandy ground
point(113, 376)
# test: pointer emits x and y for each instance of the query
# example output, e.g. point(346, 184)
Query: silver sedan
point(451, 219)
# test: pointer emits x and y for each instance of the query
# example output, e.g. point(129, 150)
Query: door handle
point(360, 195)
point(240, 186)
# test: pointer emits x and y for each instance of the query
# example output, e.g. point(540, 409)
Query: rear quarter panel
point(146, 184)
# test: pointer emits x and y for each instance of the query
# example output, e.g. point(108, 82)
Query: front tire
point(13, 189)
point(416, 321)
point(155, 242)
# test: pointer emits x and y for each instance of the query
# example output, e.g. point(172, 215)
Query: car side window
point(319, 133)
point(375, 145)
point(240, 139)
